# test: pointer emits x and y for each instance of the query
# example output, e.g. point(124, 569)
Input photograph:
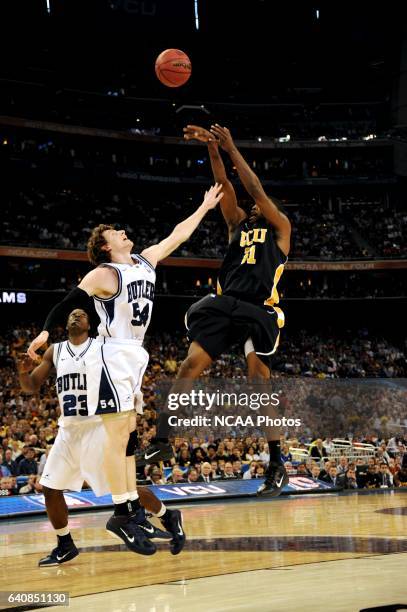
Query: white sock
point(133, 495)
point(120, 499)
point(63, 531)
point(161, 512)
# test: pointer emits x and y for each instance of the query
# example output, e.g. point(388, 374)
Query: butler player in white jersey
point(122, 287)
point(77, 453)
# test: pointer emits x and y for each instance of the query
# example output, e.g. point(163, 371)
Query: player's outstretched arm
point(183, 230)
point(31, 377)
point(232, 213)
point(254, 188)
point(101, 282)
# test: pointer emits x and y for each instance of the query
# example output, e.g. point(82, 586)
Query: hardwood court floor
point(325, 552)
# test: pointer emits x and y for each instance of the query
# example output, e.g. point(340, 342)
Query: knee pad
point(131, 444)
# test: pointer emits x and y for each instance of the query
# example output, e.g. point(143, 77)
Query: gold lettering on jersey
point(274, 297)
point(249, 255)
point(258, 234)
point(249, 240)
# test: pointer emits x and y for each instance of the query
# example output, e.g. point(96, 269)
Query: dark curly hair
point(96, 254)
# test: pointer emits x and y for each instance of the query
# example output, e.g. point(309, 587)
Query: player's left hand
point(36, 344)
point(24, 363)
point(213, 196)
point(195, 132)
point(223, 136)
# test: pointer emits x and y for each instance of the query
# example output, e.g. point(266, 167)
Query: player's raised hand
point(36, 344)
point(212, 196)
point(223, 136)
point(195, 132)
point(24, 363)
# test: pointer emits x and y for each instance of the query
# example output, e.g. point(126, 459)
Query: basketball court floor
point(311, 552)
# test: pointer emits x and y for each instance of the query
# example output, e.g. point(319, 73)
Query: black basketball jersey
point(253, 264)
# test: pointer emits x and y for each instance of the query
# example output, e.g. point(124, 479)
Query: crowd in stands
point(210, 460)
point(63, 219)
point(192, 162)
point(383, 227)
point(328, 393)
point(296, 119)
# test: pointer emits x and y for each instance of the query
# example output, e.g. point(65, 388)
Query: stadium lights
point(196, 9)
point(286, 138)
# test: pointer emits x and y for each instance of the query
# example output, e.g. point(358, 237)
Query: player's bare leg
point(190, 369)
point(121, 524)
point(171, 519)
point(141, 499)
point(276, 475)
point(57, 511)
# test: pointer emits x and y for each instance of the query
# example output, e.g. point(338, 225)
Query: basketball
point(173, 67)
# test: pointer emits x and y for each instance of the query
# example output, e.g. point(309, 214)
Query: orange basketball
point(173, 67)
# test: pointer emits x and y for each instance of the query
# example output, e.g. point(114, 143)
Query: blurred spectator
point(228, 472)
point(28, 465)
point(331, 476)
point(9, 464)
point(177, 476)
point(318, 450)
point(155, 475)
point(206, 473)
point(342, 465)
point(193, 475)
point(8, 486)
point(33, 485)
point(251, 472)
point(315, 471)
point(385, 477)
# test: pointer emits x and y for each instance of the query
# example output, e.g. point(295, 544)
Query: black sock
point(163, 427)
point(275, 451)
point(66, 539)
point(166, 515)
point(135, 505)
point(123, 509)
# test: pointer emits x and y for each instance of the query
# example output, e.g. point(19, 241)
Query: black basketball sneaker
point(61, 554)
point(172, 521)
point(127, 529)
point(275, 480)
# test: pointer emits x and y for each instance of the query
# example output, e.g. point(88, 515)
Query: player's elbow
point(180, 235)
point(30, 389)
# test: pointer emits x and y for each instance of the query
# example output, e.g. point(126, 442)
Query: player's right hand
point(24, 363)
point(195, 132)
point(36, 344)
point(213, 196)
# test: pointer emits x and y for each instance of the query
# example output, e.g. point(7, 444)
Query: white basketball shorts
point(114, 372)
point(77, 456)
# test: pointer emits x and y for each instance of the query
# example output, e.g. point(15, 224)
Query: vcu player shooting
point(245, 308)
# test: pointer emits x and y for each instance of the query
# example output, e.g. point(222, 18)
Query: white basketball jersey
point(127, 314)
point(70, 384)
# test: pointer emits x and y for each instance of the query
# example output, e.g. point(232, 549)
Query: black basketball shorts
point(218, 321)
